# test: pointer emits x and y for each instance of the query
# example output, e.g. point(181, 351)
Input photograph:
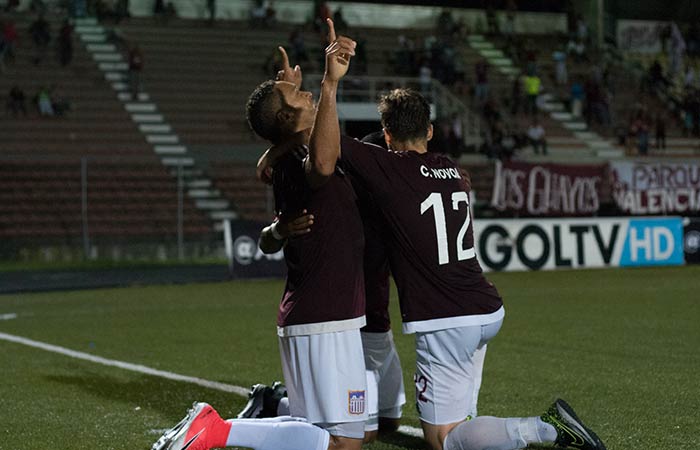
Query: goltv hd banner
point(542, 244)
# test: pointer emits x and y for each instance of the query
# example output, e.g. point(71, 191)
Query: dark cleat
point(571, 432)
point(256, 399)
point(272, 399)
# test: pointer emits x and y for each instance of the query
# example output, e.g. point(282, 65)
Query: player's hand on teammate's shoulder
point(338, 53)
point(295, 226)
point(263, 170)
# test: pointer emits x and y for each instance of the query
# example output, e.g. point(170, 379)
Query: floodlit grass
point(620, 345)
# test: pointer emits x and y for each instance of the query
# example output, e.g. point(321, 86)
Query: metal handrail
point(368, 89)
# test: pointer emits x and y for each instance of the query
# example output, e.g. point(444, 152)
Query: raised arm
point(324, 144)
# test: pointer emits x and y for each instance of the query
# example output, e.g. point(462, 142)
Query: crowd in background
point(572, 71)
point(46, 100)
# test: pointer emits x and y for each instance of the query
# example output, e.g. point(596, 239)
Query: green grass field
point(622, 346)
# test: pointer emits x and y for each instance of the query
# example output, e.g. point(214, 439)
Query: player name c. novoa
point(442, 174)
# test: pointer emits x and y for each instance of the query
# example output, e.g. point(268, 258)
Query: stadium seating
point(136, 199)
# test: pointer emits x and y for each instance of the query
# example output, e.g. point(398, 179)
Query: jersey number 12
point(434, 201)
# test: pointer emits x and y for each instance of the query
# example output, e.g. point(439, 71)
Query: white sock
point(283, 407)
point(277, 433)
point(495, 433)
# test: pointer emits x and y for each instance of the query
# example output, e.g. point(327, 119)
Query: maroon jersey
point(325, 284)
point(376, 264)
point(423, 200)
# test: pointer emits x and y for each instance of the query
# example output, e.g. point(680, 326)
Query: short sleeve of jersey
point(367, 162)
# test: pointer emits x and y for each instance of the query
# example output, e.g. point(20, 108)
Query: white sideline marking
point(8, 316)
point(411, 431)
point(405, 429)
point(126, 366)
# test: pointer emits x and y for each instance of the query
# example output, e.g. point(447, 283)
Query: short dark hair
point(261, 111)
point(405, 114)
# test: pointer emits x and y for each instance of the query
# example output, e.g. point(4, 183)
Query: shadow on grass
point(402, 440)
point(170, 398)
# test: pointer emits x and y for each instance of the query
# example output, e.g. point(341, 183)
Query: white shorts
point(449, 364)
point(381, 357)
point(326, 382)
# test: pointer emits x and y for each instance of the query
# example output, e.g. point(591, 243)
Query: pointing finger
point(285, 58)
point(331, 30)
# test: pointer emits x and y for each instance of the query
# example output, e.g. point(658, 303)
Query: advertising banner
point(246, 260)
point(641, 188)
point(547, 189)
point(639, 36)
point(691, 240)
point(520, 244)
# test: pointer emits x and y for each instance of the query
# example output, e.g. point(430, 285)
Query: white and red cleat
point(194, 432)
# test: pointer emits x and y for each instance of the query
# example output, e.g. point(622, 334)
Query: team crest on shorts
point(356, 402)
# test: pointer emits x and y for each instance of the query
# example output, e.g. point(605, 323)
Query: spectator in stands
point(693, 39)
point(8, 42)
point(533, 85)
point(339, 21)
point(596, 106)
point(258, 14)
point(16, 101)
point(691, 112)
point(481, 74)
point(273, 64)
point(122, 10)
point(163, 11)
point(491, 18)
point(270, 14)
point(59, 103)
point(425, 76)
point(689, 78)
point(37, 7)
point(158, 8)
point(404, 56)
point(44, 103)
point(445, 24)
point(211, 9)
point(360, 59)
point(11, 5)
point(297, 46)
point(660, 130)
point(116, 37)
point(640, 128)
point(509, 25)
point(41, 36)
point(581, 30)
point(536, 137)
point(321, 14)
point(456, 136)
point(577, 49)
point(656, 79)
point(65, 43)
point(135, 69)
point(576, 97)
point(560, 72)
point(516, 94)
point(4, 46)
point(676, 51)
